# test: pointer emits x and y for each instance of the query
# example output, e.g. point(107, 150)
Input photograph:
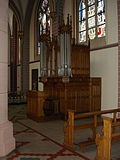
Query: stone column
point(7, 141)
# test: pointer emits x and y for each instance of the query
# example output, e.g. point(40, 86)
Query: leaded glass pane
point(40, 17)
point(101, 18)
point(90, 2)
point(38, 47)
point(49, 22)
point(91, 22)
point(82, 36)
point(91, 33)
point(101, 31)
point(82, 15)
point(43, 21)
point(40, 29)
point(44, 5)
point(82, 5)
point(48, 11)
point(100, 6)
point(44, 16)
point(91, 11)
point(88, 22)
point(82, 26)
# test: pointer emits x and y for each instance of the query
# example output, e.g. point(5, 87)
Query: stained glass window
point(82, 21)
point(43, 20)
point(91, 10)
point(91, 22)
point(92, 33)
point(101, 30)
point(91, 2)
point(82, 36)
point(91, 19)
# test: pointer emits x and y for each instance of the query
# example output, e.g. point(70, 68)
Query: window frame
point(86, 19)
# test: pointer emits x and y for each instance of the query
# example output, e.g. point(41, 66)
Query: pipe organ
point(65, 74)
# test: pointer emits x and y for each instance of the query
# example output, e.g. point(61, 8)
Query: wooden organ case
point(79, 92)
point(65, 74)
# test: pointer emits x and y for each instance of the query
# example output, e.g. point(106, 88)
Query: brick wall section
point(118, 53)
point(26, 39)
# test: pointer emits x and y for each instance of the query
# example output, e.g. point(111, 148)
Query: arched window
point(43, 20)
point(91, 19)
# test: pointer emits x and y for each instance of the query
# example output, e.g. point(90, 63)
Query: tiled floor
point(44, 140)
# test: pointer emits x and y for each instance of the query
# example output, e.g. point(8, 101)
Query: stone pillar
point(7, 141)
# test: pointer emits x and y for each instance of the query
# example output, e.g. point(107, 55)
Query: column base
point(7, 141)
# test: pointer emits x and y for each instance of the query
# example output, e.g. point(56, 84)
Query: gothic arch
point(26, 41)
point(17, 14)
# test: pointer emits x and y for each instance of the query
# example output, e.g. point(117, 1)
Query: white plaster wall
point(33, 66)
point(111, 22)
point(104, 64)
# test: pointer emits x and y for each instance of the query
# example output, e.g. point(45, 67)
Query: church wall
point(31, 56)
point(111, 22)
point(32, 36)
point(32, 63)
point(118, 53)
point(104, 64)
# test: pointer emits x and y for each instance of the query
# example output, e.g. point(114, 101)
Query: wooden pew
point(104, 141)
point(70, 127)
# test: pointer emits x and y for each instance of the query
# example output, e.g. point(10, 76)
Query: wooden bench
point(70, 127)
point(104, 141)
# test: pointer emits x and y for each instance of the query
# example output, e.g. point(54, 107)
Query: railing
point(16, 97)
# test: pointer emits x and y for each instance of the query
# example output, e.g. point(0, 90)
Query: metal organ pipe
point(42, 58)
point(65, 47)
